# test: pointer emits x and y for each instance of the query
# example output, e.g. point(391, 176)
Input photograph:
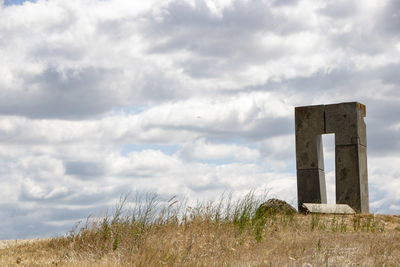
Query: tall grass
point(150, 231)
point(136, 220)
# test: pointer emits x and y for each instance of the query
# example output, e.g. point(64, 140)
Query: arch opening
point(328, 141)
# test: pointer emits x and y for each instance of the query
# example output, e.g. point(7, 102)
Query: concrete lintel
point(346, 120)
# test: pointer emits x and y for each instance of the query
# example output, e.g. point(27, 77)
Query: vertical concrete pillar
point(310, 126)
point(346, 121)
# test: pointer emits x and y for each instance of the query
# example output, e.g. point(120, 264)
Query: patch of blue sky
point(167, 149)
point(16, 2)
point(290, 168)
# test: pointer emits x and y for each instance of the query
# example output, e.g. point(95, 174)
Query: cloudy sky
point(191, 97)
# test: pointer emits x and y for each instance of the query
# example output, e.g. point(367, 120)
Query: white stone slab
point(328, 208)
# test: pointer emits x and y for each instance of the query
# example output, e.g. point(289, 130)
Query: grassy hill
point(226, 233)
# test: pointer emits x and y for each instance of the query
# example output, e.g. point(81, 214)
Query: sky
point(195, 98)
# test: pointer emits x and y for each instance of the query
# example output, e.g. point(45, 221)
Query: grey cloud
point(390, 19)
point(72, 93)
point(223, 43)
point(158, 88)
point(207, 187)
point(7, 210)
point(25, 228)
point(340, 9)
point(269, 127)
point(285, 2)
point(23, 222)
point(390, 74)
point(376, 194)
point(369, 37)
point(26, 196)
point(230, 130)
point(242, 19)
point(86, 93)
point(69, 53)
point(341, 79)
point(85, 169)
point(118, 29)
point(236, 60)
point(383, 140)
point(77, 197)
point(137, 173)
point(181, 16)
point(360, 41)
point(69, 214)
point(81, 93)
point(322, 81)
point(284, 153)
point(37, 221)
point(197, 30)
point(338, 80)
point(383, 111)
point(73, 84)
point(349, 85)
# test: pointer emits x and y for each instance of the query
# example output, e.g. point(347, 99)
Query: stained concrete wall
point(346, 121)
point(310, 124)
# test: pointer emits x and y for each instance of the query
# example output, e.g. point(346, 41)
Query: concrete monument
point(346, 121)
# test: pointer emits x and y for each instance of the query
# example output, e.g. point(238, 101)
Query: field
point(225, 233)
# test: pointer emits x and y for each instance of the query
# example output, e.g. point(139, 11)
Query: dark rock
point(275, 206)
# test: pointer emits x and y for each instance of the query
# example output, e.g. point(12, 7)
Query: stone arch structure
point(346, 121)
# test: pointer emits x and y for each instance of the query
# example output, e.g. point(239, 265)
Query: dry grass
point(221, 234)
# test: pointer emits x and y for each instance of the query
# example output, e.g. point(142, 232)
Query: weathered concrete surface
point(352, 177)
point(311, 186)
point(309, 124)
point(346, 121)
point(328, 208)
